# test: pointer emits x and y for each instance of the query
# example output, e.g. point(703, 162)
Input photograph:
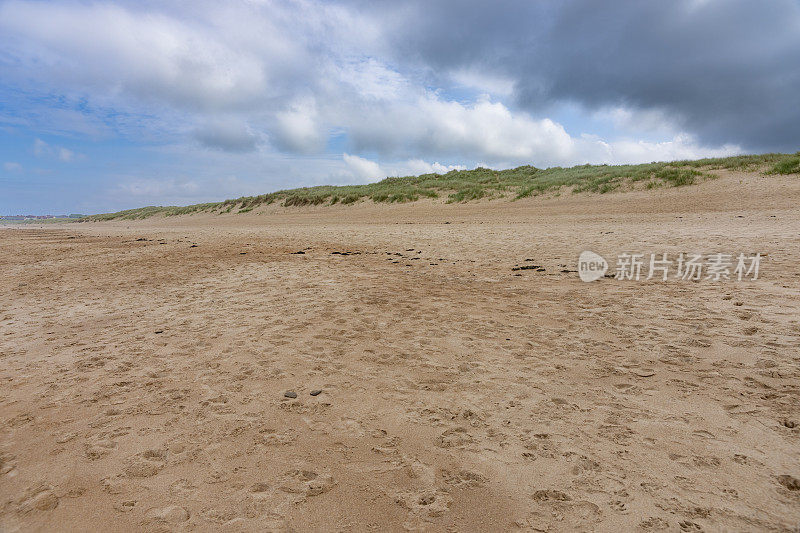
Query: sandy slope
point(142, 381)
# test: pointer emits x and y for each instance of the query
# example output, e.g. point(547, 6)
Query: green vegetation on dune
point(145, 212)
point(789, 165)
point(468, 185)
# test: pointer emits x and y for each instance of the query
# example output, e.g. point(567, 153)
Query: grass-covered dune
point(466, 185)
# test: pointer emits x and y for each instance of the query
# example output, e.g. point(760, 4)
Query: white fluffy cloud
point(489, 131)
point(146, 54)
point(298, 128)
point(682, 146)
point(415, 167)
point(363, 169)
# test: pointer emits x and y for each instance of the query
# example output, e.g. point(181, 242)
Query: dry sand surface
point(142, 379)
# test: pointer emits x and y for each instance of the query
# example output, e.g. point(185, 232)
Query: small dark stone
point(301, 252)
point(290, 394)
point(159, 331)
point(316, 392)
point(242, 253)
point(193, 246)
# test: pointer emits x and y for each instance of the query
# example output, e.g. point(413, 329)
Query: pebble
point(290, 394)
point(316, 392)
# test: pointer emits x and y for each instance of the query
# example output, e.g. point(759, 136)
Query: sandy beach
point(145, 367)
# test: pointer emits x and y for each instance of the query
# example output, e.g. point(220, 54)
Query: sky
point(114, 105)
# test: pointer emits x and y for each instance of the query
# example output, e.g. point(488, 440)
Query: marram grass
point(468, 185)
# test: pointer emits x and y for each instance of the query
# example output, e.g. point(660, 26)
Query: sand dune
point(145, 365)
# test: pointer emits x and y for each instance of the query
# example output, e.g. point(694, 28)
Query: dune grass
point(469, 185)
point(789, 165)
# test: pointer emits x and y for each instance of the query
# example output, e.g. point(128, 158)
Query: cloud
point(43, 150)
point(159, 189)
point(415, 167)
point(347, 67)
point(65, 155)
point(297, 128)
point(490, 132)
point(305, 91)
point(363, 169)
point(484, 82)
point(11, 166)
point(227, 135)
point(484, 130)
point(725, 71)
point(147, 54)
point(683, 146)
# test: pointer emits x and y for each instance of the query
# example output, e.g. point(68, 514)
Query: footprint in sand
point(557, 510)
point(8, 465)
point(146, 464)
point(98, 446)
point(791, 483)
point(463, 478)
point(114, 485)
point(183, 488)
point(271, 437)
point(551, 495)
point(258, 490)
point(37, 498)
point(454, 438)
point(424, 504)
point(654, 523)
point(63, 438)
point(172, 514)
point(125, 506)
point(306, 482)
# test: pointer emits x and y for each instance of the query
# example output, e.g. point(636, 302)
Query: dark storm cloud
point(727, 70)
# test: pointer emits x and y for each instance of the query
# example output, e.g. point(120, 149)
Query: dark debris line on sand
point(537, 268)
